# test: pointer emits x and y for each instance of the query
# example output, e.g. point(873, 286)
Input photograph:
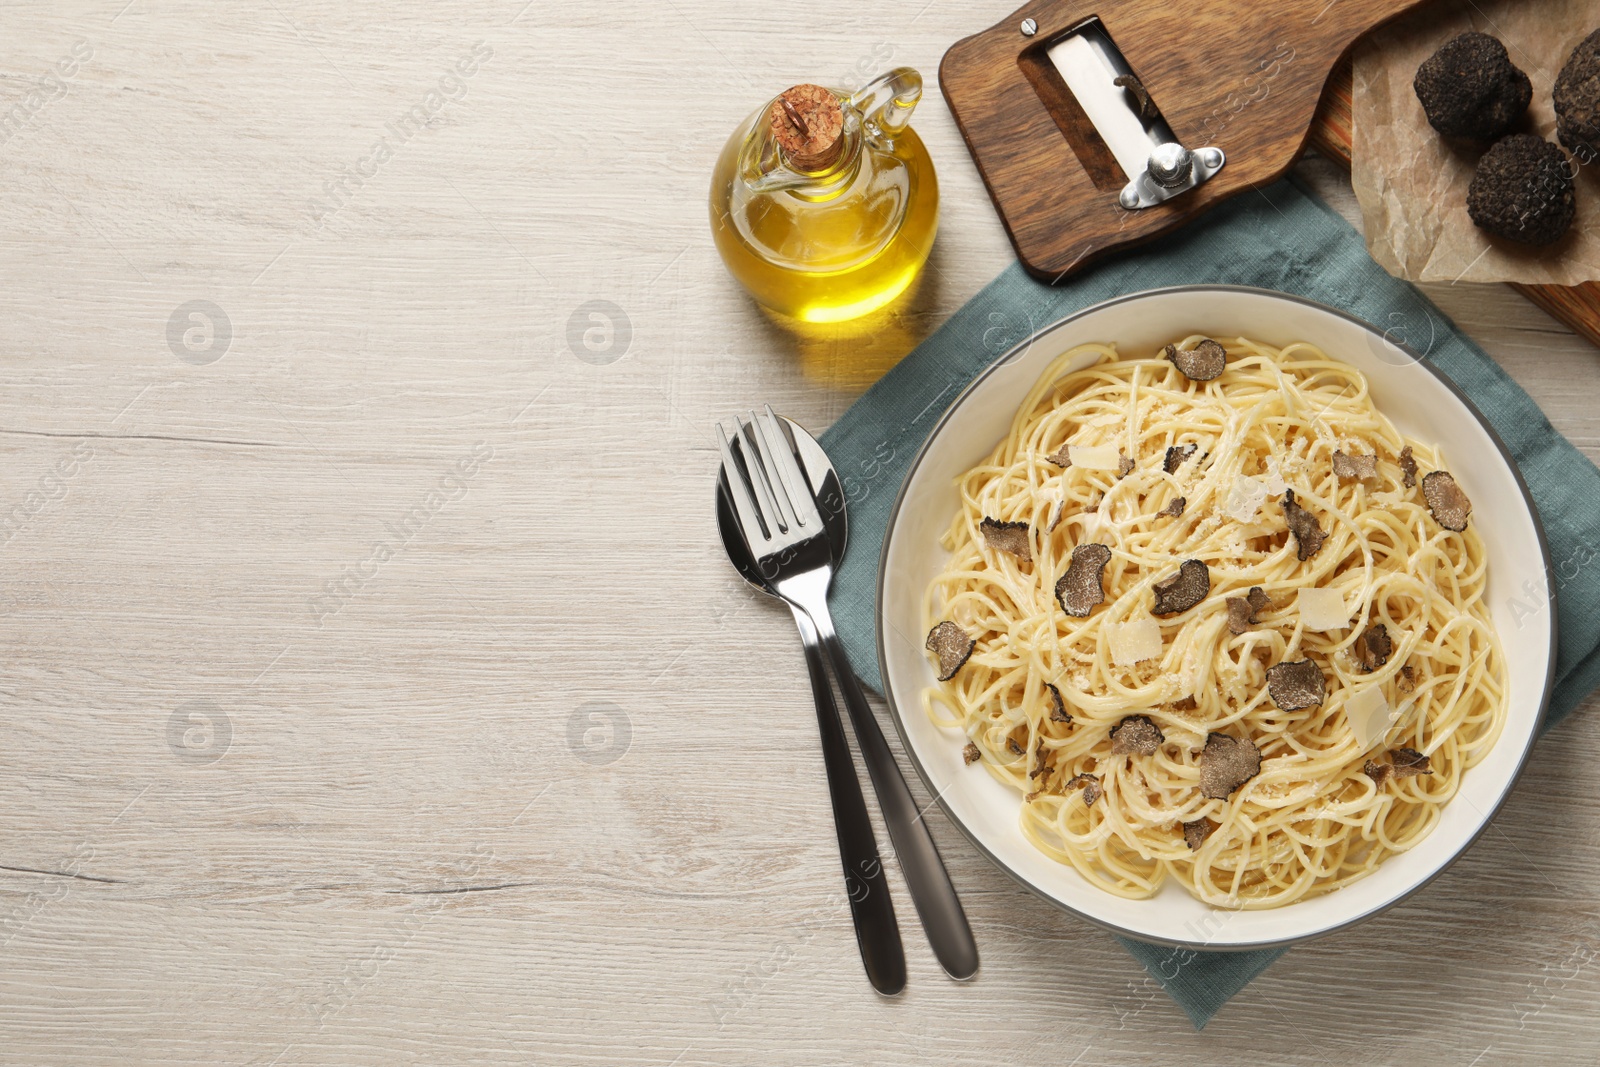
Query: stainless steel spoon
point(877, 930)
point(804, 585)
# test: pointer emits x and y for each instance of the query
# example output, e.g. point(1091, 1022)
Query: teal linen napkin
point(1282, 239)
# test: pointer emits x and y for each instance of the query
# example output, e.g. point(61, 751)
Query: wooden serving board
point(1578, 306)
point(1052, 177)
point(1049, 171)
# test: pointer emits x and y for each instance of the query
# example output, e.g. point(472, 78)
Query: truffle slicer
point(1097, 126)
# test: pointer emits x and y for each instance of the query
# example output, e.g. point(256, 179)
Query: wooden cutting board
point(1058, 176)
point(1578, 306)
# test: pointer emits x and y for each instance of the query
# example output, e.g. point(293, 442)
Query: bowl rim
point(897, 716)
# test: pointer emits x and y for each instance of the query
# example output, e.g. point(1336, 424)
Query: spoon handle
point(877, 931)
point(943, 919)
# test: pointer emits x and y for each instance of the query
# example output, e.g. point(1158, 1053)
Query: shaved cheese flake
point(1369, 715)
point(1323, 609)
point(1133, 642)
point(1246, 498)
point(1094, 457)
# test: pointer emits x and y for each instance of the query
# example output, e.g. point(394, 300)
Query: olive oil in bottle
point(824, 206)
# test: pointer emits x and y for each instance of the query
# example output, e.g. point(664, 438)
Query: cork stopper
point(808, 124)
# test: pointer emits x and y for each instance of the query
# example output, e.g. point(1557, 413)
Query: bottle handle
point(887, 101)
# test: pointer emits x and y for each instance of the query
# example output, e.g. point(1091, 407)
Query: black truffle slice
point(1378, 772)
point(1201, 363)
point(1124, 466)
point(1408, 679)
point(1522, 191)
point(1176, 456)
point(1374, 647)
point(1143, 105)
point(1079, 590)
point(1041, 762)
point(1183, 590)
point(1061, 510)
point(1058, 707)
point(1136, 735)
point(1297, 684)
point(1174, 508)
point(952, 645)
point(1408, 763)
point(971, 754)
point(1470, 90)
point(1577, 100)
point(1308, 536)
point(1061, 459)
point(1354, 468)
point(1408, 467)
point(1242, 610)
point(1448, 503)
point(1195, 833)
point(1009, 537)
point(1090, 784)
point(1226, 763)
point(1016, 749)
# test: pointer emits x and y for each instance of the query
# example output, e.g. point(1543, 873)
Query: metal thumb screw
point(1170, 165)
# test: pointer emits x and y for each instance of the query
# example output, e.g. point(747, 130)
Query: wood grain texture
point(1205, 64)
point(420, 843)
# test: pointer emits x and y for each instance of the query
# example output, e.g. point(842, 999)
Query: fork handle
point(877, 931)
point(943, 919)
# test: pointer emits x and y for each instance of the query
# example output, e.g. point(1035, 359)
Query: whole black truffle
point(1470, 90)
point(1577, 100)
point(1523, 191)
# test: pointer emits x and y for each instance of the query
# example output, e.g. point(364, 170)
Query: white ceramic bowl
point(1420, 401)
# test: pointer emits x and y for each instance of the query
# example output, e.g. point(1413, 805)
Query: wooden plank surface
point(376, 692)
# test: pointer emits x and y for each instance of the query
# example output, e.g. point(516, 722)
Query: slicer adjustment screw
point(1029, 27)
point(1170, 165)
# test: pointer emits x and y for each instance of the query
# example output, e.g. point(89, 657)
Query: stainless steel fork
point(784, 531)
point(871, 907)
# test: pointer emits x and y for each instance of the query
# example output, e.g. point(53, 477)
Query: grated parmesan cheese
point(1274, 480)
point(1246, 498)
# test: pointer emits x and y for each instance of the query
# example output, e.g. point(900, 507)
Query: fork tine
point(794, 480)
point(772, 453)
point(767, 485)
point(744, 505)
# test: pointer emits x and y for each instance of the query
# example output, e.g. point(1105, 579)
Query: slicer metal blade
point(1157, 166)
point(1080, 167)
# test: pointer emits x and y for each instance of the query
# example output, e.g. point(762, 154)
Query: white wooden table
point(374, 687)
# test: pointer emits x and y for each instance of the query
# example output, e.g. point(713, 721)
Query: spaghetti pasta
point(1160, 469)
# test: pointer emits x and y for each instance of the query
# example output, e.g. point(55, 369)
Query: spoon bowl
point(830, 502)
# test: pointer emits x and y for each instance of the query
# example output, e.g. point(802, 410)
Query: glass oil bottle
point(824, 206)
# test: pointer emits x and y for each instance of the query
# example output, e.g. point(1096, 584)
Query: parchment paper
point(1412, 186)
